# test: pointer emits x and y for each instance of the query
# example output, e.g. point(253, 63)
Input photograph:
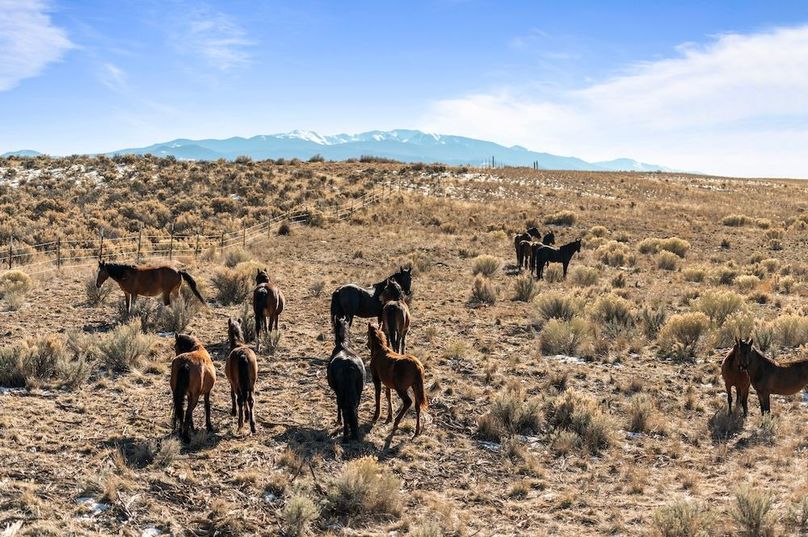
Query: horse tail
point(183, 380)
point(336, 309)
point(244, 387)
point(260, 301)
point(418, 388)
point(192, 284)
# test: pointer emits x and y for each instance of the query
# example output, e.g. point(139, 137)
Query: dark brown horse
point(547, 254)
point(534, 232)
point(396, 371)
point(734, 376)
point(346, 376)
point(241, 369)
point(517, 242)
point(146, 280)
point(192, 375)
point(351, 301)
point(268, 303)
point(395, 320)
point(548, 239)
point(525, 248)
point(768, 377)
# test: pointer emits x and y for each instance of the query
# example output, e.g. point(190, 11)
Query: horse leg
point(417, 419)
point(240, 412)
point(406, 402)
point(233, 401)
point(345, 430)
point(258, 332)
point(403, 343)
point(377, 386)
point(339, 412)
point(167, 298)
point(208, 424)
point(729, 399)
point(188, 424)
point(744, 397)
point(128, 302)
point(567, 264)
point(389, 406)
point(767, 403)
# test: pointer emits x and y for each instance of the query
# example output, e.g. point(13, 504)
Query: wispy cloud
point(737, 105)
point(28, 41)
point(215, 37)
point(113, 77)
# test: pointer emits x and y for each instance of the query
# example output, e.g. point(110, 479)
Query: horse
point(534, 232)
point(192, 374)
point(768, 377)
point(346, 376)
point(549, 238)
point(547, 254)
point(517, 240)
point(395, 317)
point(525, 248)
point(398, 372)
point(734, 376)
point(241, 369)
point(268, 303)
point(146, 280)
point(351, 301)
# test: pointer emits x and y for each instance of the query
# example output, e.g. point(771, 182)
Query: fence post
point(101, 245)
point(10, 250)
point(269, 228)
point(59, 252)
point(171, 244)
point(196, 248)
point(221, 243)
point(139, 243)
point(243, 237)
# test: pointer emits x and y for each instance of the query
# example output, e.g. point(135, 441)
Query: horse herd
point(535, 255)
point(193, 374)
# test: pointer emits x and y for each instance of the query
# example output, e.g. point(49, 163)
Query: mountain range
point(402, 145)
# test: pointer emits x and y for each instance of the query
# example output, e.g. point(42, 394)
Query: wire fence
point(56, 254)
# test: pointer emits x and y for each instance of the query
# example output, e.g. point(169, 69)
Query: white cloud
point(113, 77)
point(28, 41)
point(738, 105)
point(215, 37)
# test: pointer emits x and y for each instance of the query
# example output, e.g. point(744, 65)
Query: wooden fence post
point(243, 237)
point(171, 244)
point(221, 243)
point(10, 251)
point(269, 228)
point(139, 243)
point(196, 248)
point(101, 245)
point(59, 253)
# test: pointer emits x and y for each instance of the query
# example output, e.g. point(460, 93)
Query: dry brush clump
point(752, 512)
point(557, 305)
point(365, 488)
point(566, 337)
point(125, 348)
point(584, 276)
point(41, 360)
point(483, 291)
point(615, 254)
point(682, 334)
point(561, 218)
point(674, 245)
point(14, 285)
point(719, 304)
point(579, 415)
point(511, 413)
point(234, 285)
point(486, 265)
point(684, 518)
point(525, 288)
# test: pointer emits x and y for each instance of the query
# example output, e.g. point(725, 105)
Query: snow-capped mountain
point(401, 144)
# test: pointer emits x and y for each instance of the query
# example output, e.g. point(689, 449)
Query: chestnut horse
point(525, 248)
point(395, 320)
point(146, 281)
point(396, 371)
point(241, 369)
point(346, 376)
point(734, 376)
point(768, 377)
point(268, 303)
point(192, 374)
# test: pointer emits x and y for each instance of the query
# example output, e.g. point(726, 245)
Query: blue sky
point(720, 87)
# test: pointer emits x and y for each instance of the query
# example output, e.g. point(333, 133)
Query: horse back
point(237, 356)
point(152, 280)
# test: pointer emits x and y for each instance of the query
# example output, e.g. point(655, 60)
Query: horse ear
point(751, 343)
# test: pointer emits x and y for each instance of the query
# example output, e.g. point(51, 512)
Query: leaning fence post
point(139, 243)
point(101, 245)
point(59, 252)
point(171, 244)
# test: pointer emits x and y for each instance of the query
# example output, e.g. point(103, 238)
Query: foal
point(395, 319)
point(192, 374)
point(346, 376)
point(734, 376)
point(398, 372)
point(241, 369)
point(268, 303)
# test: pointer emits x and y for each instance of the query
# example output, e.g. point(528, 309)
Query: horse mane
point(235, 334)
point(345, 340)
point(379, 339)
point(118, 270)
point(570, 245)
point(185, 343)
point(760, 355)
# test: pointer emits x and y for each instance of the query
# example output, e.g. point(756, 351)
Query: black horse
point(351, 301)
point(548, 239)
point(533, 232)
point(547, 254)
point(346, 376)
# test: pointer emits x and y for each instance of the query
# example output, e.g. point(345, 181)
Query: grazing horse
point(146, 281)
point(268, 303)
point(192, 374)
point(734, 376)
point(395, 317)
point(398, 372)
point(768, 377)
point(525, 249)
point(346, 376)
point(547, 254)
point(241, 369)
point(517, 241)
point(351, 301)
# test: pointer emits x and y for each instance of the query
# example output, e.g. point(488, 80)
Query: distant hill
point(22, 153)
point(403, 145)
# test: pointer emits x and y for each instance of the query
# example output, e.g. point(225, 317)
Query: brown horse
point(525, 249)
point(517, 241)
point(396, 324)
point(268, 303)
point(768, 376)
point(396, 371)
point(733, 376)
point(146, 281)
point(241, 369)
point(192, 374)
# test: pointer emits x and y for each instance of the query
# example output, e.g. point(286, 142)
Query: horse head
point(745, 352)
point(103, 274)
point(235, 332)
point(261, 276)
point(342, 334)
point(404, 278)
